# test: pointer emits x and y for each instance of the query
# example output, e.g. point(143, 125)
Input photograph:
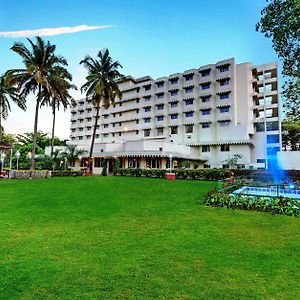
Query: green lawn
point(136, 238)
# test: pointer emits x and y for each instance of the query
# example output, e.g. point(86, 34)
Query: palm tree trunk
point(37, 106)
point(53, 126)
point(90, 165)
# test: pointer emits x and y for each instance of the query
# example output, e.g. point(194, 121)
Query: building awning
point(218, 143)
point(205, 95)
point(226, 104)
point(205, 82)
point(5, 146)
point(188, 86)
point(205, 121)
point(221, 78)
point(173, 101)
point(190, 98)
point(173, 90)
point(223, 92)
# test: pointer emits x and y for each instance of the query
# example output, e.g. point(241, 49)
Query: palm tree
point(58, 94)
point(8, 91)
point(72, 153)
point(101, 86)
point(35, 76)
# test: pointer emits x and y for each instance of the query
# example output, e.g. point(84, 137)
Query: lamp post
point(17, 154)
point(2, 161)
point(65, 163)
point(170, 161)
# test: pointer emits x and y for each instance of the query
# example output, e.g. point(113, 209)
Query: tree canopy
point(280, 21)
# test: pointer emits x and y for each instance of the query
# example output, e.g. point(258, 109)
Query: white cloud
point(50, 31)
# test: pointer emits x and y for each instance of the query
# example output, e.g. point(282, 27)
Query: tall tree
point(291, 134)
point(7, 91)
point(101, 86)
point(35, 76)
point(280, 21)
point(58, 94)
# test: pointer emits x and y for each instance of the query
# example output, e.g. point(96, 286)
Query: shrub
point(66, 173)
point(277, 205)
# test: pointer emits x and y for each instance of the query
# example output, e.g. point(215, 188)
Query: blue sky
point(155, 38)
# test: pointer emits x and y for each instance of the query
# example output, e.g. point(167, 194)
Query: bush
point(66, 173)
point(202, 174)
point(276, 205)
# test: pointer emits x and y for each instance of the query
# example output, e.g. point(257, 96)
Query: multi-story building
point(204, 114)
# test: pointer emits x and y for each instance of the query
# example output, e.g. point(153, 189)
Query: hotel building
point(204, 115)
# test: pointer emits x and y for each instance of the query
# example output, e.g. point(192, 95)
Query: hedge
point(202, 174)
point(276, 205)
point(66, 173)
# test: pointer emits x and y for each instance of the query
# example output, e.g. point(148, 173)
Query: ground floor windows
point(189, 128)
point(205, 148)
point(147, 132)
point(153, 162)
point(174, 130)
point(133, 162)
point(98, 162)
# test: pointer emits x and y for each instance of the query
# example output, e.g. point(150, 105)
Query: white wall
point(289, 160)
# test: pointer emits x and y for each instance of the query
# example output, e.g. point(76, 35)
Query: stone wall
point(13, 174)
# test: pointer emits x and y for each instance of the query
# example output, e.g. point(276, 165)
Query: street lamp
point(170, 158)
point(2, 161)
point(66, 163)
point(17, 154)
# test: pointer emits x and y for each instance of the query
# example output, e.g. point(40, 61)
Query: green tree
point(58, 94)
point(72, 153)
point(7, 91)
point(101, 86)
point(280, 21)
point(291, 134)
point(232, 160)
point(39, 62)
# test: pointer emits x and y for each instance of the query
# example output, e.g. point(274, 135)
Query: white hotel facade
point(204, 114)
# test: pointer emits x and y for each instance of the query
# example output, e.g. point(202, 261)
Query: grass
point(136, 238)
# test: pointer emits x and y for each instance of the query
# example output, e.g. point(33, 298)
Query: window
point(160, 107)
point(224, 123)
point(205, 112)
point(136, 132)
point(147, 109)
point(205, 148)
point(73, 130)
point(174, 130)
point(160, 131)
point(224, 109)
point(147, 132)
point(224, 96)
point(120, 123)
point(80, 129)
point(160, 84)
point(148, 98)
point(105, 116)
point(88, 137)
point(272, 150)
point(205, 99)
point(206, 166)
point(113, 124)
point(80, 138)
point(81, 120)
point(189, 90)
point(205, 125)
point(189, 129)
point(189, 114)
point(189, 77)
point(174, 104)
point(272, 126)
point(105, 135)
point(174, 93)
point(173, 117)
point(273, 138)
point(105, 126)
point(225, 166)
point(224, 69)
point(137, 121)
point(137, 101)
point(225, 148)
point(147, 87)
point(73, 138)
point(89, 110)
point(205, 73)
point(174, 81)
point(137, 111)
point(147, 120)
point(224, 82)
point(113, 134)
point(97, 162)
point(259, 127)
point(120, 114)
point(120, 133)
point(81, 103)
point(160, 96)
point(133, 162)
point(261, 161)
point(189, 102)
point(205, 86)
point(97, 136)
point(160, 118)
point(89, 119)
point(98, 126)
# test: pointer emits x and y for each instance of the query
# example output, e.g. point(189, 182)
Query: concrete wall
point(289, 160)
